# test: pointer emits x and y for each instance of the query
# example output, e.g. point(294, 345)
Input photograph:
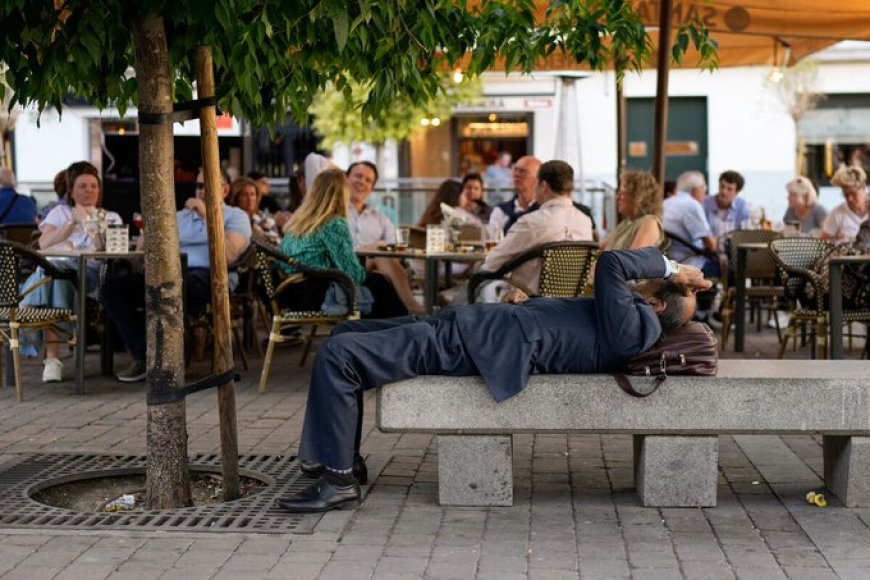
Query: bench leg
point(847, 468)
point(475, 470)
point(676, 471)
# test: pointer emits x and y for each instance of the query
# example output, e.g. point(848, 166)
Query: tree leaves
point(272, 57)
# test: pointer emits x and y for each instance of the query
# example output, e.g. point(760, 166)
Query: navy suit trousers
point(364, 355)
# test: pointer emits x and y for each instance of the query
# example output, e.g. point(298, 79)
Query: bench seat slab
point(847, 469)
point(475, 470)
point(676, 471)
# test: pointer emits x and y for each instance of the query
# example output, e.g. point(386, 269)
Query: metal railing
point(404, 199)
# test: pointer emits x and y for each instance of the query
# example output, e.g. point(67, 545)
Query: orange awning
point(748, 31)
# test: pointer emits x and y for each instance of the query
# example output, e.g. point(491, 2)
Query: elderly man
point(14, 207)
point(684, 219)
point(557, 220)
point(726, 211)
point(125, 296)
point(524, 174)
point(503, 343)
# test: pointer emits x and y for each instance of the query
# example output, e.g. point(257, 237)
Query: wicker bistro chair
point(761, 269)
point(565, 268)
point(21, 233)
point(13, 317)
point(799, 258)
point(282, 318)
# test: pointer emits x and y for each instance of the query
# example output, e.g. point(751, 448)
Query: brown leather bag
point(691, 349)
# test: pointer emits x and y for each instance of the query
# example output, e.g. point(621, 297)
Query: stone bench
point(675, 430)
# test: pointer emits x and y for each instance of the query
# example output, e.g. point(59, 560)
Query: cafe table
point(432, 262)
point(740, 285)
point(80, 306)
point(836, 265)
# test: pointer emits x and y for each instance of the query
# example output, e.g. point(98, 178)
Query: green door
point(686, 148)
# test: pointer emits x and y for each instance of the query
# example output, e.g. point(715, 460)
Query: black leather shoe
point(322, 496)
point(360, 471)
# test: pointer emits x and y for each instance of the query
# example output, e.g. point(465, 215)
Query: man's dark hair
point(255, 175)
point(558, 175)
point(733, 177)
point(674, 315)
point(368, 164)
point(472, 177)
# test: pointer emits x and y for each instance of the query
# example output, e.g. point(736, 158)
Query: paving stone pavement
point(575, 514)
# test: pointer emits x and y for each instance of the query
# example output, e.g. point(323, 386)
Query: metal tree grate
point(253, 514)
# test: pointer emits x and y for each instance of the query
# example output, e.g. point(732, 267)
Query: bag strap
point(625, 384)
point(9, 207)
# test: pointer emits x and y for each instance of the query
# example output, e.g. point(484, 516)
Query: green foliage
point(338, 114)
point(274, 56)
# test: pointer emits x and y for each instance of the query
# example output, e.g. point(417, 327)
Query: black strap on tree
point(164, 396)
point(180, 112)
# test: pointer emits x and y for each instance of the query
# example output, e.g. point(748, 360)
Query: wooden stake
point(220, 296)
point(663, 70)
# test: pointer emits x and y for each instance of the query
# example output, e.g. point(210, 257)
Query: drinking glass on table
point(403, 237)
point(492, 235)
point(138, 221)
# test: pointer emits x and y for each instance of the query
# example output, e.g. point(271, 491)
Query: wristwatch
point(673, 268)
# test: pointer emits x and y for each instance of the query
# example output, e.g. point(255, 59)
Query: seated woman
point(70, 227)
point(448, 193)
point(639, 202)
point(472, 190)
point(842, 224)
point(317, 235)
point(803, 210)
point(245, 195)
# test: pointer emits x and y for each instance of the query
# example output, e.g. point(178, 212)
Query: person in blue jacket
point(503, 343)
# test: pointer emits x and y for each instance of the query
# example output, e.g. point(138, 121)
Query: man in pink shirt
point(557, 220)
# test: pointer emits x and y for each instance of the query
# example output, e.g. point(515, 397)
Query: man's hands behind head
point(690, 279)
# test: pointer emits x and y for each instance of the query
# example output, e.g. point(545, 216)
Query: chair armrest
point(51, 269)
point(343, 280)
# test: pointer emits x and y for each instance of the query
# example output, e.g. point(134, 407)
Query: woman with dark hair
point(472, 189)
point(449, 193)
point(70, 227)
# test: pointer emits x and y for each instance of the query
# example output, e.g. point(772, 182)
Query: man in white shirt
point(524, 174)
point(557, 220)
point(684, 217)
point(844, 221)
point(369, 226)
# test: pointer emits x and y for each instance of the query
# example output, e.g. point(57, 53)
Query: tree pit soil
point(94, 495)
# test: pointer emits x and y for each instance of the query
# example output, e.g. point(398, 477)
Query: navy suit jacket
point(509, 342)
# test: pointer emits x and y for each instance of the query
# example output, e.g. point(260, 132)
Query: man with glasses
point(125, 296)
point(525, 177)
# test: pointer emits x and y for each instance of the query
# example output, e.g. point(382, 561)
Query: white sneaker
point(781, 317)
point(53, 371)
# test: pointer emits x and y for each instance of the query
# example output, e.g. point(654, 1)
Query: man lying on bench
point(503, 343)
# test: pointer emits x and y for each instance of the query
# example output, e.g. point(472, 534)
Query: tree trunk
point(168, 475)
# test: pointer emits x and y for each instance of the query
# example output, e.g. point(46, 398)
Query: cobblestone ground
point(575, 512)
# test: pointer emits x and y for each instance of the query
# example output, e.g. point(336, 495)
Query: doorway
point(686, 148)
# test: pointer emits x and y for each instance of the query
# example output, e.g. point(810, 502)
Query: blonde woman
point(803, 210)
point(842, 224)
point(639, 202)
point(317, 235)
